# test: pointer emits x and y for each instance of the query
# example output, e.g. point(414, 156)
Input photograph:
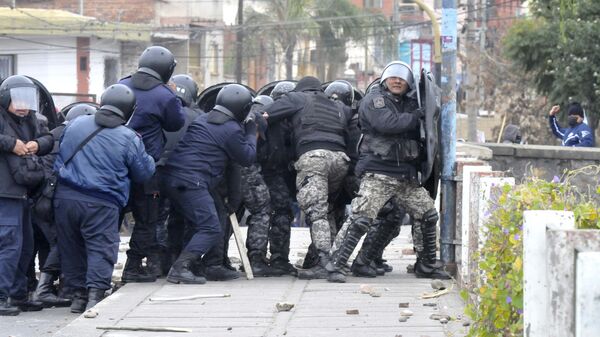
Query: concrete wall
point(545, 162)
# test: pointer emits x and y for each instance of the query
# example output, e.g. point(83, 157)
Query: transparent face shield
point(24, 98)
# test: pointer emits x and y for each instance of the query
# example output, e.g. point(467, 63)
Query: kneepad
point(431, 216)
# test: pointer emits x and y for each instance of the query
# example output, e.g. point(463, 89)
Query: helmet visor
point(24, 98)
point(398, 70)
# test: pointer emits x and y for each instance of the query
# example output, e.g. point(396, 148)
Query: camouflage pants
point(257, 200)
point(376, 190)
point(281, 217)
point(320, 174)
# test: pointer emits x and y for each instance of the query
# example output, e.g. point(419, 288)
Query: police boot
point(26, 304)
point(79, 303)
point(362, 268)
point(153, 264)
point(311, 258)
point(380, 263)
point(427, 266)
point(357, 229)
point(45, 292)
point(317, 272)
point(134, 272)
point(95, 295)
point(7, 309)
point(181, 271)
point(283, 266)
point(220, 273)
point(260, 268)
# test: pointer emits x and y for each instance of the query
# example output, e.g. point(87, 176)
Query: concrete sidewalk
point(320, 307)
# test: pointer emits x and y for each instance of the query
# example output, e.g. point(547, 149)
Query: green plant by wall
point(496, 302)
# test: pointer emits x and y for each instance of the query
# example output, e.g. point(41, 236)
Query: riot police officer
point(391, 154)
point(197, 165)
point(157, 109)
point(97, 160)
point(20, 141)
point(43, 216)
point(320, 141)
point(169, 227)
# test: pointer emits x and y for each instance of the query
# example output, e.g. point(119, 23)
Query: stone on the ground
point(439, 317)
point(403, 305)
point(91, 313)
point(406, 312)
point(403, 318)
point(282, 306)
point(352, 312)
point(430, 304)
point(366, 289)
point(443, 320)
point(375, 294)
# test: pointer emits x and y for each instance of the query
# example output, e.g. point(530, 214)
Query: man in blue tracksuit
point(157, 109)
point(198, 164)
point(578, 134)
point(19, 138)
point(97, 160)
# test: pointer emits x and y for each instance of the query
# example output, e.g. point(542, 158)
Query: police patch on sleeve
point(378, 102)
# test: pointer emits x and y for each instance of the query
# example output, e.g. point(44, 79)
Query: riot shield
point(372, 85)
point(429, 99)
point(47, 107)
point(207, 98)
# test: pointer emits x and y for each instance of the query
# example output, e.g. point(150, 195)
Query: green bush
point(496, 302)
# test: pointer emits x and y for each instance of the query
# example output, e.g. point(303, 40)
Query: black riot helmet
point(157, 61)
point(342, 91)
point(118, 99)
point(282, 88)
point(187, 89)
point(80, 110)
point(235, 101)
point(21, 92)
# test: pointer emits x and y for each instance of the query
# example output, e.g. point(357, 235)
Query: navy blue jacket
point(104, 167)
point(11, 130)
point(580, 135)
point(156, 109)
point(201, 156)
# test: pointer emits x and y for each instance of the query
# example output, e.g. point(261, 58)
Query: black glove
point(419, 113)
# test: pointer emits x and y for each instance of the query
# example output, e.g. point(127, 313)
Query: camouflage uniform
point(281, 217)
point(320, 174)
point(375, 191)
point(257, 200)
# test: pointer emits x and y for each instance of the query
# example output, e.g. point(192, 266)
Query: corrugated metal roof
point(29, 21)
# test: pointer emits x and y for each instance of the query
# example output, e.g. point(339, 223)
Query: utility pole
point(448, 186)
point(482, 42)
point(472, 80)
point(239, 42)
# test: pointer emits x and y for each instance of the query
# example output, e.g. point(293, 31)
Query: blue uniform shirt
point(156, 109)
point(206, 148)
point(580, 135)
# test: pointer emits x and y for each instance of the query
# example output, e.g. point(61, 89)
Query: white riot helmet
point(398, 69)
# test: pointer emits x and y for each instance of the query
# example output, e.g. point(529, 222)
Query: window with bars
point(7, 66)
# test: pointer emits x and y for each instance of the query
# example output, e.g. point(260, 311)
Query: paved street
point(320, 307)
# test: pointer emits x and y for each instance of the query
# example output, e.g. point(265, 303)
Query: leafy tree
point(284, 21)
point(558, 47)
point(334, 34)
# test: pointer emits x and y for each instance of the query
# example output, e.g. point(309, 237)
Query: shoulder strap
point(85, 141)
